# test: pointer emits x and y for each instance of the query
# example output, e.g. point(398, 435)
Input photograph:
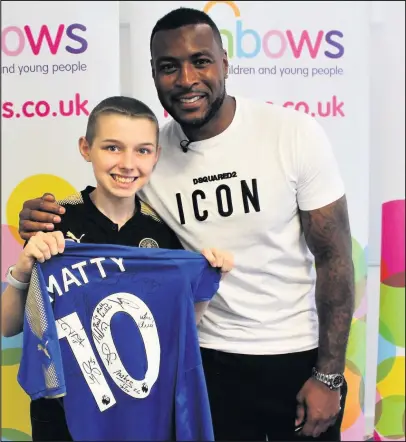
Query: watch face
point(337, 381)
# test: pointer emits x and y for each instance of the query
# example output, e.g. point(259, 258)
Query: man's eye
point(112, 148)
point(202, 62)
point(167, 68)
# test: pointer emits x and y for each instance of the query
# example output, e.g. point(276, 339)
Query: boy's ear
point(84, 148)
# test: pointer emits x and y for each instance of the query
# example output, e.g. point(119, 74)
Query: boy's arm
point(40, 247)
point(12, 305)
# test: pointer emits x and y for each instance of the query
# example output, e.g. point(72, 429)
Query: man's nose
point(188, 76)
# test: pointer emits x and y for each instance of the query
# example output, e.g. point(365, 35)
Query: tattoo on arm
point(328, 236)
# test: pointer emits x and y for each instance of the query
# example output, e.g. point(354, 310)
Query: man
point(261, 181)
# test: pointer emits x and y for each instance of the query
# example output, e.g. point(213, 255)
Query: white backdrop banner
point(312, 56)
point(59, 59)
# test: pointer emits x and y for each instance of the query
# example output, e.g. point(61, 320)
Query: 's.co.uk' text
point(43, 108)
point(331, 108)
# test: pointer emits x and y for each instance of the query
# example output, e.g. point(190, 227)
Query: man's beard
point(199, 122)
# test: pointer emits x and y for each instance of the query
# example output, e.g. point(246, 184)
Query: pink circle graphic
point(10, 249)
point(356, 431)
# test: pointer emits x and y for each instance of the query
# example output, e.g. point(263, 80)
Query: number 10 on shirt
point(71, 328)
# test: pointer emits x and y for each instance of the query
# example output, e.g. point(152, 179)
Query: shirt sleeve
point(40, 373)
point(319, 182)
point(206, 284)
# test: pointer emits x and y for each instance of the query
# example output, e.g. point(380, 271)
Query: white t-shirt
point(241, 191)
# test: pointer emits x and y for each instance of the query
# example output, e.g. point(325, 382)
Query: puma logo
point(42, 348)
point(73, 237)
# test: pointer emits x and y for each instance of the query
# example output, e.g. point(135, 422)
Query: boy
point(121, 142)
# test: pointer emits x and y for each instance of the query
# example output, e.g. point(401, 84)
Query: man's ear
point(225, 64)
point(84, 148)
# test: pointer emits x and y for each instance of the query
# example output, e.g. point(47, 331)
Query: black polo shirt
point(83, 222)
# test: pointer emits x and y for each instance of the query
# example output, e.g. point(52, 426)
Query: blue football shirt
point(112, 330)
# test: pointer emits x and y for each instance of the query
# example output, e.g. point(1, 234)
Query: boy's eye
point(112, 148)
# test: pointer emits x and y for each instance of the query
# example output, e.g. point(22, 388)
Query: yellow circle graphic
point(392, 382)
point(15, 412)
point(34, 187)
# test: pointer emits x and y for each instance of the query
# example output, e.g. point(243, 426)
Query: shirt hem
point(250, 349)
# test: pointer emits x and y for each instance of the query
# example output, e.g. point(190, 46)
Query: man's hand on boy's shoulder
point(39, 215)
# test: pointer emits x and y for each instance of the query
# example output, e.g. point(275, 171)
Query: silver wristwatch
point(333, 381)
point(15, 282)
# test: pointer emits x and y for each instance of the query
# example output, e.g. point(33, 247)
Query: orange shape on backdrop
point(352, 409)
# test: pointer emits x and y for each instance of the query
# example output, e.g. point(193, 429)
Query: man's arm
point(39, 215)
point(328, 236)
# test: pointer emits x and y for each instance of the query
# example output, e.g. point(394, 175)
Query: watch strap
point(333, 381)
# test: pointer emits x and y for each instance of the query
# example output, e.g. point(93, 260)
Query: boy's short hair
point(184, 17)
point(127, 106)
